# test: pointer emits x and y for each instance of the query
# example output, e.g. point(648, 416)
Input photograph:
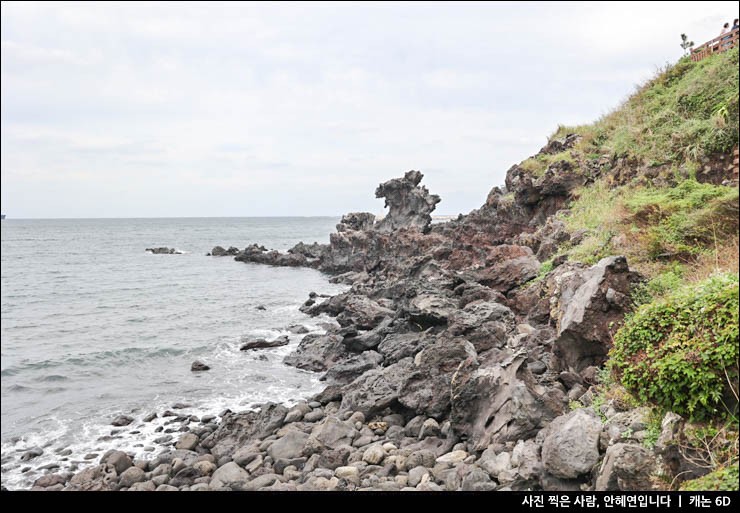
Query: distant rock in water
point(261, 343)
point(164, 251)
point(198, 366)
point(219, 251)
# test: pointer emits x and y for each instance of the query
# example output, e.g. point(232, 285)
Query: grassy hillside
point(655, 193)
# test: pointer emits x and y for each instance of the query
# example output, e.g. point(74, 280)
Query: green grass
point(686, 112)
point(537, 165)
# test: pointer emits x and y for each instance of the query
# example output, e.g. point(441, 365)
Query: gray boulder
point(376, 389)
point(317, 353)
point(427, 389)
point(626, 467)
point(590, 305)
point(571, 444)
point(347, 370)
point(289, 446)
point(228, 475)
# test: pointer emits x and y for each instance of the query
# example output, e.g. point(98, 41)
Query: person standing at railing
point(725, 37)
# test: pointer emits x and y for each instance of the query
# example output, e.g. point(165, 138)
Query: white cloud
point(240, 108)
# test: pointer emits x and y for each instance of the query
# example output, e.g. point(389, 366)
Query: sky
point(264, 109)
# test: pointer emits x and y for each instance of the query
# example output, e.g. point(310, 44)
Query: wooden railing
point(717, 45)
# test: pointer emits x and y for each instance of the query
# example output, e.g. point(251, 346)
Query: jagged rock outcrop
point(589, 308)
point(409, 205)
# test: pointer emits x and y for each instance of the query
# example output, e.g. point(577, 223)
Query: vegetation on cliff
point(658, 188)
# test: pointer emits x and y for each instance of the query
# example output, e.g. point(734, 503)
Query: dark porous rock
point(362, 313)
point(236, 429)
point(163, 251)
point(429, 309)
point(485, 324)
point(317, 352)
point(590, 307)
point(150, 417)
point(333, 458)
point(329, 394)
point(261, 343)
point(260, 255)
point(626, 467)
point(356, 221)
point(122, 420)
point(427, 388)
point(197, 366)
point(571, 444)
point(397, 346)
point(409, 205)
point(219, 251)
point(506, 267)
point(501, 402)
point(347, 370)
point(376, 389)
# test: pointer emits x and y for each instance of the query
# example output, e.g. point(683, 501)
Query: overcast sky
point(183, 109)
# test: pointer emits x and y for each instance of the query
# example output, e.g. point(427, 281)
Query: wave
point(119, 356)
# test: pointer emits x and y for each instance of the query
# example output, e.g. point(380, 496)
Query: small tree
point(686, 44)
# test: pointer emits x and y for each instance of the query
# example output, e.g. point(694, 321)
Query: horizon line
point(188, 217)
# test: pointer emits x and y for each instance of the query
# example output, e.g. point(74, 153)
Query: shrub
point(725, 478)
point(681, 352)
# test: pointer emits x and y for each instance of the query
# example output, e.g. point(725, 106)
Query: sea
point(93, 327)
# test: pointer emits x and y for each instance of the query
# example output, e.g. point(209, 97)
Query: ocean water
point(93, 327)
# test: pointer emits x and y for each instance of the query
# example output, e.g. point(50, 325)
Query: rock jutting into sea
point(164, 251)
point(450, 367)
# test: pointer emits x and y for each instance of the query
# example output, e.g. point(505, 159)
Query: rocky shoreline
point(456, 364)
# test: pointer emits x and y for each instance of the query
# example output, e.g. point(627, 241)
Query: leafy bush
point(725, 478)
point(681, 352)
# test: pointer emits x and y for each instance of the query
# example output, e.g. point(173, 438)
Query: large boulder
point(427, 389)
point(589, 309)
point(505, 267)
point(229, 475)
point(409, 205)
point(317, 352)
point(430, 308)
point(485, 324)
point(376, 389)
point(571, 444)
point(501, 402)
point(289, 446)
point(626, 467)
point(237, 429)
point(397, 346)
point(350, 369)
point(332, 433)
